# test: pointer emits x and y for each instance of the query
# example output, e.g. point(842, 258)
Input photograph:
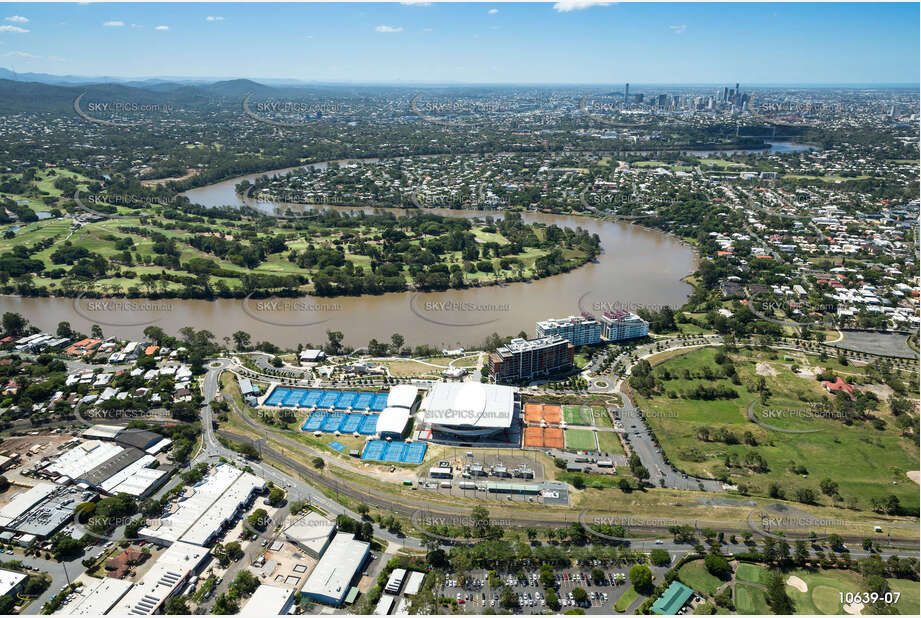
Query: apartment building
point(525, 359)
point(576, 329)
point(619, 325)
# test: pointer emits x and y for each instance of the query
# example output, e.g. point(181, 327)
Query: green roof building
point(672, 599)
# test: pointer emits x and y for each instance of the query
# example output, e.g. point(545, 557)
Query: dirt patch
point(882, 391)
point(797, 583)
point(763, 369)
point(808, 373)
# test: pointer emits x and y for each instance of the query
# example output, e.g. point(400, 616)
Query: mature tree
point(640, 577)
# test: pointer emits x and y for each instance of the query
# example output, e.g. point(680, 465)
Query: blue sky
point(473, 42)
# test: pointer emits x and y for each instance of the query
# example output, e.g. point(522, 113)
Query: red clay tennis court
point(537, 412)
point(543, 437)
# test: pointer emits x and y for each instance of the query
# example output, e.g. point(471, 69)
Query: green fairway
point(750, 600)
point(909, 602)
point(695, 575)
point(580, 440)
point(752, 573)
point(865, 462)
point(577, 415)
point(824, 588)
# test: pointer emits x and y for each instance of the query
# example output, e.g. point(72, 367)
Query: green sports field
point(577, 415)
point(580, 440)
point(695, 575)
point(752, 573)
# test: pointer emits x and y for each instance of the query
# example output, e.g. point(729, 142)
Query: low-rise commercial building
point(269, 600)
point(331, 578)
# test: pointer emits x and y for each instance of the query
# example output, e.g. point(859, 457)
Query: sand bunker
point(797, 583)
point(915, 475)
point(853, 609)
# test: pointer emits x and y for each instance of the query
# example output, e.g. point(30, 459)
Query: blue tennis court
point(363, 402)
point(310, 399)
point(346, 400)
point(314, 421)
point(414, 453)
point(293, 399)
point(332, 422)
point(351, 423)
point(277, 396)
point(368, 425)
point(394, 452)
point(379, 402)
point(328, 400)
point(337, 446)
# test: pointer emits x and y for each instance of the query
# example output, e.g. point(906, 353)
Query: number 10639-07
point(889, 598)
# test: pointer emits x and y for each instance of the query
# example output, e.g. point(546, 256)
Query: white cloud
point(565, 6)
point(19, 54)
point(389, 29)
point(214, 18)
point(493, 11)
point(114, 24)
point(18, 19)
point(162, 28)
point(679, 29)
point(416, 2)
point(16, 29)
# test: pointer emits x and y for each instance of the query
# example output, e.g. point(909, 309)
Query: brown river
point(638, 268)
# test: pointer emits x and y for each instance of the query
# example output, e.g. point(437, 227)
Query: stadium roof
point(470, 404)
point(402, 396)
point(392, 420)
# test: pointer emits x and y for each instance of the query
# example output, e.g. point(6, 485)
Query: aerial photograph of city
point(426, 307)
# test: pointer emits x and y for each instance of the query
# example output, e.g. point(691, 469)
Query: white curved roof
point(392, 420)
point(470, 404)
point(402, 396)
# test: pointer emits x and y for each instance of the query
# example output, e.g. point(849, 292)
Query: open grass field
point(580, 440)
point(753, 573)
point(577, 415)
point(864, 461)
point(695, 575)
point(750, 600)
point(608, 442)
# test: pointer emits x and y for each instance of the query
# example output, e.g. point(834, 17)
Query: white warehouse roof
point(329, 581)
point(268, 600)
point(96, 597)
point(165, 576)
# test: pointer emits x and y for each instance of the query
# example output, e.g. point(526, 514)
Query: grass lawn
point(824, 586)
point(580, 440)
point(626, 599)
point(608, 442)
point(601, 416)
point(695, 575)
point(577, 415)
point(752, 573)
point(750, 600)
